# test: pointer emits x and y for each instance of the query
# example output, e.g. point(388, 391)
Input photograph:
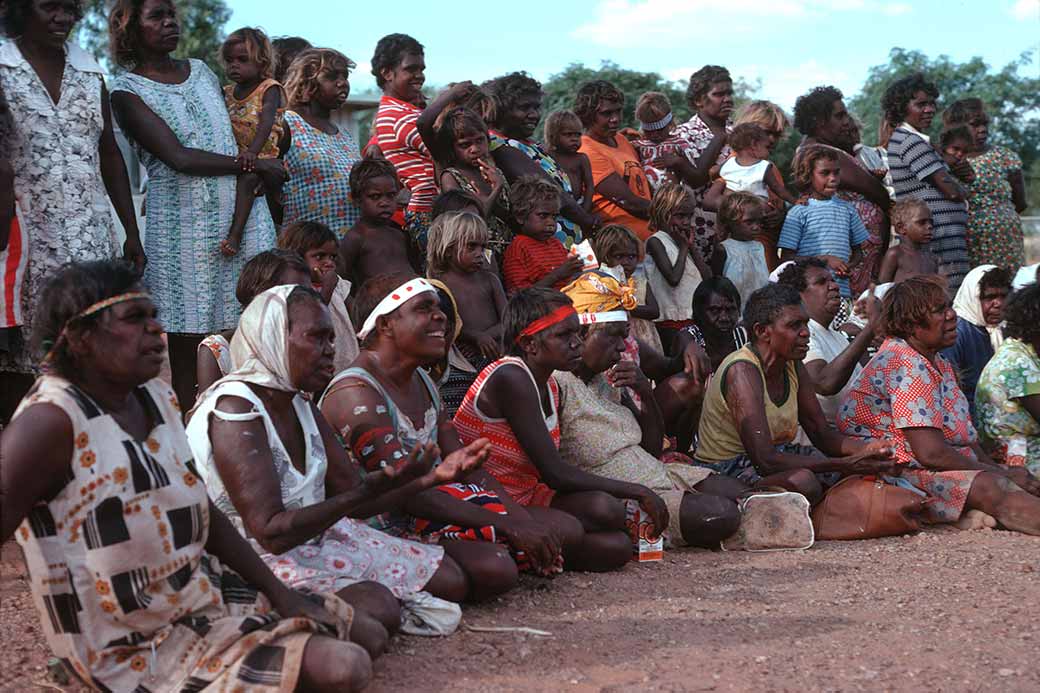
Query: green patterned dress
point(994, 227)
point(1006, 429)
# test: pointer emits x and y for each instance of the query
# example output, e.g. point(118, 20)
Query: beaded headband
point(92, 309)
point(393, 301)
point(546, 321)
point(657, 124)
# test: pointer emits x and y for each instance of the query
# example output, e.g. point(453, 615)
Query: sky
point(788, 45)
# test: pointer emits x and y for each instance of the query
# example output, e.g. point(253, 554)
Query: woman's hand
point(247, 160)
point(289, 603)
point(133, 253)
point(538, 541)
point(656, 509)
point(272, 172)
point(489, 346)
point(628, 374)
point(696, 363)
point(461, 462)
point(875, 457)
point(1024, 479)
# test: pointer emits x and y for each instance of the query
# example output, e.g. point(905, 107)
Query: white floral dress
point(192, 284)
point(63, 208)
point(348, 552)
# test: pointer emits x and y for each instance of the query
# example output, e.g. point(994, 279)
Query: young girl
point(748, 170)
point(562, 141)
point(317, 245)
point(742, 259)
point(674, 266)
point(455, 255)
point(536, 257)
point(255, 103)
point(912, 220)
point(617, 246)
point(955, 143)
point(664, 154)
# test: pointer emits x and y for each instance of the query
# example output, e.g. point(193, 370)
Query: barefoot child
point(743, 259)
point(616, 246)
point(255, 104)
point(455, 255)
point(823, 225)
point(318, 245)
point(913, 222)
point(375, 245)
point(562, 141)
point(536, 257)
point(674, 266)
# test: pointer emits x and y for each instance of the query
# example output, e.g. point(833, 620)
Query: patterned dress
point(127, 595)
point(192, 284)
point(500, 233)
point(347, 552)
point(1006, 428)
point(319, 167)
point(697, 136)
point(63, 206)
point(508, 462)
point(994, 227)
point(245, 118)
point(900, 389)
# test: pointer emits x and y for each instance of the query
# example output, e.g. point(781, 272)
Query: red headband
point(546, 321)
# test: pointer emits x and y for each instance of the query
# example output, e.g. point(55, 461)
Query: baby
point(665, 156)
point(748, 170)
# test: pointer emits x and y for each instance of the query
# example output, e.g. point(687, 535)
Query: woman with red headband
point(514, 403)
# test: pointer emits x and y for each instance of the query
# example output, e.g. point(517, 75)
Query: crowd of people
point(330, 391)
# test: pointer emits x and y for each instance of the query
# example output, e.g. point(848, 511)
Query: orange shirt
point(624, 161)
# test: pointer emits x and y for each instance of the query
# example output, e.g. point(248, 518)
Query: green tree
point(1012, 99)
point(202, 31)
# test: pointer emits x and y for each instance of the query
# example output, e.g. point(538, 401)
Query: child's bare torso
point(475, 296)
point(913, 262)
point(383, 250)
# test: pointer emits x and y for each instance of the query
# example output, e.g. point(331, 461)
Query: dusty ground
point(941, 611)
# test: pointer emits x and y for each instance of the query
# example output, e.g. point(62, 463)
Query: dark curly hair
point(15, 14)
point(996, 278)
point(589, 96)
point(526, 306)
point(701, 81)
point(953, 133)
point(900, 93)
point(264, 271)
point(764, 306)
point(813, 108)
point(456, 123)
point(907, 304)
point(507, 90)
point(529, 190)
point(286, 48)
point(794, 274)
point(389, 53)
point(367, 170)
point(805, 162)
point(716, 284)
point(963, 111)
point(746, 135)
point(124, 32)
point(1022, 314)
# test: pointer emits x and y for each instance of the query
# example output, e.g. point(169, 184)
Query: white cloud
point(1024, 10)
point(783, 85)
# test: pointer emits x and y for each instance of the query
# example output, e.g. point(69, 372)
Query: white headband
point(657, 124)
point(393, 301)
point(609, 316)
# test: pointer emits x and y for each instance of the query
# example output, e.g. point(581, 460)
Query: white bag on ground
point(427, 615)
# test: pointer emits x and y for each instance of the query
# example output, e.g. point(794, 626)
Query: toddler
point(955, 142)
point(748, 170)
point(255, 103)
point(823, 225)
point(617, 246)
point(376, 244)
point(455, 255)
point(317, 245)
point(743, 258)
point(912, 256)
point(536, 257)
point(562, 140)
point(665, 155)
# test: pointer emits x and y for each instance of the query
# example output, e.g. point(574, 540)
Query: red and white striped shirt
point(13, 260)
point(397, 135)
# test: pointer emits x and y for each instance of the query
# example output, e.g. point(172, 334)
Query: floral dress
point(127, 595)
point(319, 167)
point(500, 234)
point(192, 284)
point(1006, 428)
point(900, 389)
point(63, 206)
point(994, 227)
point(696, 135)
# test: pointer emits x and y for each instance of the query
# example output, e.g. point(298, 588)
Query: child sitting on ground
point(536, 257)
point(742, 258)
point(455, 255)
point(665, 156)
point(563, 139)
point(912, 256)
point(376, 244)
point(317, 245)
point(674, 266)
point(616, 246)
point(823, 225)
point(255, 104)
point(748, 170)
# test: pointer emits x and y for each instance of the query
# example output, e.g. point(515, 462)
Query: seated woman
point(1007, 399)
point(138, 577)
point(760, 395)
point(979, 305)
point(604, 432)
point(386, 407)
point(908, 395)
point(514, 403)
point(268, 269)
point(716, 316)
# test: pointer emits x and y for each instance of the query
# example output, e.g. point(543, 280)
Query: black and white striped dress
point(912, 159)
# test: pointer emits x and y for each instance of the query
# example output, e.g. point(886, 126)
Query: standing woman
point(918, 171)
point(64, 158)
point(173, 110)
point(996, 196)
point(318, 155)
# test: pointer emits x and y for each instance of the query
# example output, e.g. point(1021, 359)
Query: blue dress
point(192, 284)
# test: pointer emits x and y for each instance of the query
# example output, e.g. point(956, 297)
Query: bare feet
point(976, 519)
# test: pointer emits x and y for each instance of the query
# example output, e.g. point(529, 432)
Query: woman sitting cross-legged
point(908, 394)
point(759, 396)
point(603, 431)
point(515, 403)
point(141, 581)
point(385, 408)
point(275, 466)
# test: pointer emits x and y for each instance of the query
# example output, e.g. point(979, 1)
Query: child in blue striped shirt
point(824, 226)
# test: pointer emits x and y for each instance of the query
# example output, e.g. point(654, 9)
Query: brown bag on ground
point(865, 507)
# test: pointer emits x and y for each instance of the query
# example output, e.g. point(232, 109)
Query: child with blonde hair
point(617, 246)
